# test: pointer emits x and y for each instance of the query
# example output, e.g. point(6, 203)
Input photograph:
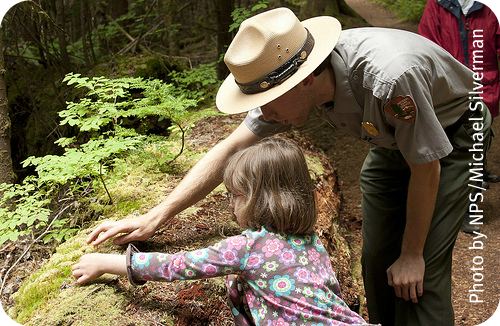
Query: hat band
point(282, 73)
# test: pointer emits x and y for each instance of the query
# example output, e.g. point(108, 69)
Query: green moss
point(136, 183)
point(96, 304)
point(315, 166)
point(45, 284)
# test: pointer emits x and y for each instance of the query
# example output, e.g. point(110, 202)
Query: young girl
point(278, 270)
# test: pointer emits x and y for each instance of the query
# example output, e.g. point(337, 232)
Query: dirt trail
point(354, 150)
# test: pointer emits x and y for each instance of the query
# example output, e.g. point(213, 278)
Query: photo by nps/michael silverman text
point(477, 170)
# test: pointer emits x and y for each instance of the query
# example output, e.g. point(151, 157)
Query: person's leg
point(435, 306)
point(384, 184)
point(489, 175)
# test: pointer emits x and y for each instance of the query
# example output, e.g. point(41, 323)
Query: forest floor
point(149, 305)
point(355, 150)
point(48, 295)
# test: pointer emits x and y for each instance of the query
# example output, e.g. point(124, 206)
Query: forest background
point(92, 92)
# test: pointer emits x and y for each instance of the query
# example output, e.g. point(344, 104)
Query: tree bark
point(167, 9)
point(223, 9)
point(61, 34)
point(6, 170)
point(83, 27)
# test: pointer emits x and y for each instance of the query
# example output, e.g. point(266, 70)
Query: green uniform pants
point(384, 184)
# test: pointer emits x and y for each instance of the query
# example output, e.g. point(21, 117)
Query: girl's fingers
point(77, 273)
point(82, 280)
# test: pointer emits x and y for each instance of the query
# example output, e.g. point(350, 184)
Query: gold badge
point(370, 128)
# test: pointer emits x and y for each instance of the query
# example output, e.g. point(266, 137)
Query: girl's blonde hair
point(274, 180)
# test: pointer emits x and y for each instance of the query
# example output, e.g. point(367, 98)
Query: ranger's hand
point(126, 230)
point(406, 275)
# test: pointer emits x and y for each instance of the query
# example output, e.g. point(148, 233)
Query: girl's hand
point(91, 266)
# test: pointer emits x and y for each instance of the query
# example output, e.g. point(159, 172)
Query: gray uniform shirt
point(394, 89)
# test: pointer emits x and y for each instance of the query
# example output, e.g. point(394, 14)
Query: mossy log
point(49, 298)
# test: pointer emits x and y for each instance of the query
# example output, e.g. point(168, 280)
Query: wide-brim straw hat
point(271, 53)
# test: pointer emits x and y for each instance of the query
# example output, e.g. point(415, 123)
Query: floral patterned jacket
point(283, 280)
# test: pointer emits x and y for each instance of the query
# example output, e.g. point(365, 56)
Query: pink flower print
point(319, 245)
point(313, 255)
point(261, 283)
point(280, 322)
point(289, 314)
point(229, 256)
point(178, 262)
point(315, 311)
point(141, 260)
point(303, 260)
point(316, 280)
point(162, 257)
point(297, 243)
point(324, 273)
point(274, 300)
point(271, 266)
point(306, 314)
point(302, 275)
point(164, 271)
point(209, 269)
point(190, 273)
point(282, 285)
point(338, 311)
point(272, 247)
point(236, 242)
point(308, 292)
point(250, 300)
point(255, 260)
point(287, 257)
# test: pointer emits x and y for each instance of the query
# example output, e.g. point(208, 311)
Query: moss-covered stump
point(48, 297)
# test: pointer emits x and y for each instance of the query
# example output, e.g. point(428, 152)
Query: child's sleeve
point(226, 257)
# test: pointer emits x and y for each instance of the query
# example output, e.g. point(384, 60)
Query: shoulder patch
point(402, 108)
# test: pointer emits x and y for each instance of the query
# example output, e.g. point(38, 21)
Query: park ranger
point(394, 89)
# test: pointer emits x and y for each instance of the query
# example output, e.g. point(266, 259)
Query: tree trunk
point(168, 10)
point(83, 28)
point(223, 10)
point(61, 34)
point(6, 171)
point(90, 26)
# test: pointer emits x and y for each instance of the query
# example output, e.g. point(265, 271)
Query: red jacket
point(444, 23)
